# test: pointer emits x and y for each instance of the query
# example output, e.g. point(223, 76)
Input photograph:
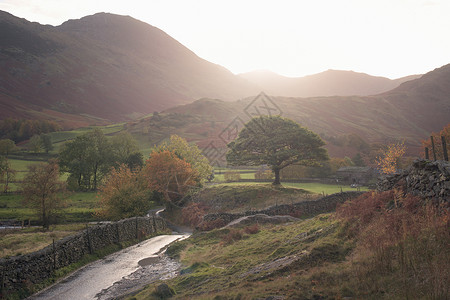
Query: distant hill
point(328, 83)
point(409, 112)
point(102, 68)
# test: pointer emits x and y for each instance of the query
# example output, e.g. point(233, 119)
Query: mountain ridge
point(327, 83)
point(118, 71)
point(111, 67)
point(409, 112)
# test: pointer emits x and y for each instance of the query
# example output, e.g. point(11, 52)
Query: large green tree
point(276, 142)
point(87, 158)
point(125, 150)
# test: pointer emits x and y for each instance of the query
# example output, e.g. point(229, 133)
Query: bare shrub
point(252, 229)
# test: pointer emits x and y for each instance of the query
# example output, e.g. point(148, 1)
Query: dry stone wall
point(305, 208)
point(428, 179)
point(20, 272)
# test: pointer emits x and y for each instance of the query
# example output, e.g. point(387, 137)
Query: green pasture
point(80, 207)
point(314, 188)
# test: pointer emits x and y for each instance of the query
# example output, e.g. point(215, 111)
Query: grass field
point(80, 208)
point(260, 261)
point(21, 241)
point(315, 188)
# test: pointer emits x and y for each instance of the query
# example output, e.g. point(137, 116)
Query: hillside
point(410, 112)
point(103, 67)
point(328, 83)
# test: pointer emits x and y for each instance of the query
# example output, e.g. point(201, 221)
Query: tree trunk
point(277, 176)
point(45, 221)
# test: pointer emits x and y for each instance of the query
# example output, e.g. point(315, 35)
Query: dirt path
point(118, 273)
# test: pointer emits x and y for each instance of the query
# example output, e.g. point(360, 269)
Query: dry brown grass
point(15, 242)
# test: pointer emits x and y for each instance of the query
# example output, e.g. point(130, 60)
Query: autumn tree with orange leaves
point(445, 132)
point(389, 161)
point(166, 173)
point(124, 194)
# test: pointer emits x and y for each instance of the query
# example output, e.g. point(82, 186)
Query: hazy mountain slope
point(328, 83)
point(105, 65)
point(409, 112)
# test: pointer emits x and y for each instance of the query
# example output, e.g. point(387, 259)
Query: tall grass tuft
point(403, 245)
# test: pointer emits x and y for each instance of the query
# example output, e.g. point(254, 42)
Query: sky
point(390, 38)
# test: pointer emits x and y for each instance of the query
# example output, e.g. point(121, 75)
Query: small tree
point(43, 192)
point(7, 174)
point(277, 142)
point(189, 153)
point(124, 194)
point(166, 173)
point(125, 150)
point(35, 144)
point(7, 147)
point(389, 161)
point(46, 141)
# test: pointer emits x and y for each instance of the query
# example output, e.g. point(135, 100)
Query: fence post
point(427, 155)
point(444, 148)
point(432, 146)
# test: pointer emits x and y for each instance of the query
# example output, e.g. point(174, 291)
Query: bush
point(232, 236)
point(232, 176)
point(264, 175)
point(192, 214)
point(252, 229)
point(210, 225)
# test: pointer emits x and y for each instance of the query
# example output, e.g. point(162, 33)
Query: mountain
point(102, 68)
point(328, 83)
point(409, 112)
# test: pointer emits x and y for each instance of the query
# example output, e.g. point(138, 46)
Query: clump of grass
point(233, 235)
point(252, 229)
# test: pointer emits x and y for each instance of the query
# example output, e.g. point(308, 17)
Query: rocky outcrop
point(20, 272)
point(424, 178)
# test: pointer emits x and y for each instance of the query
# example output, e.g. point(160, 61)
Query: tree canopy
point(189, 153)
point(87, 158)
point(277, 142)
point(42, 191)
point(124, 194)
point(170, 175)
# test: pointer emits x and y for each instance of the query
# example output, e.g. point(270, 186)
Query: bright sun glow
point(391, 38)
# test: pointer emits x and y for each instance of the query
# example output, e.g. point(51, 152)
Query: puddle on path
point(149, 261)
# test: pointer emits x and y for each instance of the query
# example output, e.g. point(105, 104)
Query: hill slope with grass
point(409, 112)
point(360, 252)
point(103, 66)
